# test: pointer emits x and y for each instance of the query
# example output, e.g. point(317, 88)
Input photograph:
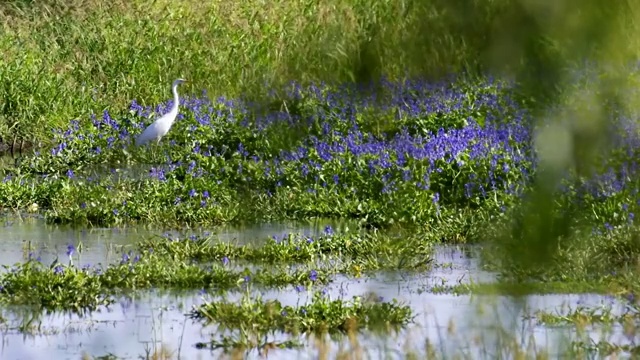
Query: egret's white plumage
point(161, 127)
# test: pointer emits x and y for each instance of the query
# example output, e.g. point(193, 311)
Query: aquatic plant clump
point(321, 315)
point(194, 262)
point(78, 289)
point(407, 152)
point(366, 250)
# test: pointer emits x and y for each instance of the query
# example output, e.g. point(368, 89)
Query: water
point(103, 245)
point(142, 324)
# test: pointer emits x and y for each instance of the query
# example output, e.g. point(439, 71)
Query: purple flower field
point(397, 152)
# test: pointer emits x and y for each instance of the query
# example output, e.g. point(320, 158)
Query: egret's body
point(161, 127)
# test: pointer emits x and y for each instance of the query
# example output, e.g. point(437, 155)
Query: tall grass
point(62, 60)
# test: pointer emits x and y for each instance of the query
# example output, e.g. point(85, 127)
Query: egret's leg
point(157, 147)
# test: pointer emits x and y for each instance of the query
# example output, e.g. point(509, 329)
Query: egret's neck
point(176, 99)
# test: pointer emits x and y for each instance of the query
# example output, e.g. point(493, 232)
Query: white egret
point(161, 127)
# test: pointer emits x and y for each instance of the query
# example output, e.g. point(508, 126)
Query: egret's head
point(178, 82)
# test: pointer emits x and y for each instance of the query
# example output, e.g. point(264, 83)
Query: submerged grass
point(618, 327)
point(366, 250)
point(67, 287)
point(322, 315)
point(196, 263)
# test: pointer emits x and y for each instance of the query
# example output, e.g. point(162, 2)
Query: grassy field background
point(553, 202)
point(65, 59)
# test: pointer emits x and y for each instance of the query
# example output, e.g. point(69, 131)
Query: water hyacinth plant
point(450, 155)
point(405, 152)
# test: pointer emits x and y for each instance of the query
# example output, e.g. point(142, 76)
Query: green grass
point(321, 316)
point(81, 57)
point(523, 288)
point(366, 250)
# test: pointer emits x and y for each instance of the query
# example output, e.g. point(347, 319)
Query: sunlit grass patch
point(321, 315)
point(74, 59)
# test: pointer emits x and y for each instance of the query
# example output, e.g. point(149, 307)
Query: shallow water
point(454, 324)
point(102, 245)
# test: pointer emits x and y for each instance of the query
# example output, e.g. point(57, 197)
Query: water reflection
point(102, 245)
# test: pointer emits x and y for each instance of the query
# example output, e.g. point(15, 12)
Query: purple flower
point(70, 249)
point(158, 174)
point(58, 270)
point(631, 297)
point(313, 275)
